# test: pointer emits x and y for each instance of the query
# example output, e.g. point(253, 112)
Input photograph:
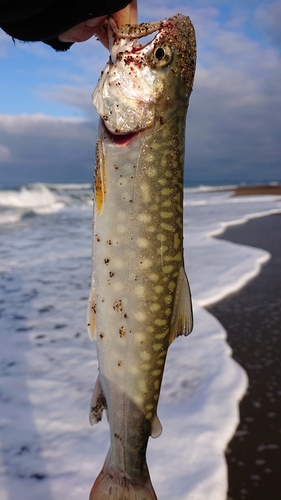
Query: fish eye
point(161, 56)
point(159, 53)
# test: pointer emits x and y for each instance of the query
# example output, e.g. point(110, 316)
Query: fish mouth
point(119, 138)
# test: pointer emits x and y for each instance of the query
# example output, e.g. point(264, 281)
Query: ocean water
point(48, 366)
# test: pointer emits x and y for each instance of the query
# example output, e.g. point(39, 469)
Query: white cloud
point(269, 18)
point(4, 153)
point(47, 149)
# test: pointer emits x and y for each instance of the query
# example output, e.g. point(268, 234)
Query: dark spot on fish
point(106, 261)
point(125, 315)
point(117, 306)
point(111, 274)
point(122, 332)
point(101, 336)
point(161, 120)
point(98, 239)
point(131, 201)
point(94, 308)
point(116, 167)
point(120, 363)
point(109, 242)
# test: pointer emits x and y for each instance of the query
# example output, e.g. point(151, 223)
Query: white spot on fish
point(155, 307)
point(140, 316)
point(146, 263)
point(139, 291)
point(117, 286)
point(142, 385)
point(145, 218)
point(142, 242)
point(121, 215)
point(154, 277)
point(121, 229)
point(145, 356)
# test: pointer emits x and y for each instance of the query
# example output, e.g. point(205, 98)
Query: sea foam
point(48, 366)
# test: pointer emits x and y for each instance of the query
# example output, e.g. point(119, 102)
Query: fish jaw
point(135, 78)
point(124, 105)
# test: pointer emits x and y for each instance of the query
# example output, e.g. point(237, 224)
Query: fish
point(140, 298)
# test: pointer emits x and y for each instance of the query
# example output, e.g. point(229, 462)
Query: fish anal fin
point(182, 318)
point(91, 315)
point(98, 403)
point(156, 427)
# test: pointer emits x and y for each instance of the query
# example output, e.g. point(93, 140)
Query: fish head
point(140, 79)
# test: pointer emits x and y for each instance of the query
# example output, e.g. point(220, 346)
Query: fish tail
point(113, 485)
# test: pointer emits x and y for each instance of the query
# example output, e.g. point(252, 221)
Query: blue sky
point(47, 122)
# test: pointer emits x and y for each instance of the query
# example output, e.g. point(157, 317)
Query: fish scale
point(140, 298)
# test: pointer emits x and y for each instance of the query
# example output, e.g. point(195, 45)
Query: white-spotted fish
point(140, 298)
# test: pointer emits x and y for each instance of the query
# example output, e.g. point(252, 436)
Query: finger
point(128, 15)
point(83, 31)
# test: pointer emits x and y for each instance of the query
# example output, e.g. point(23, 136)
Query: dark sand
point(258, 190)
point(252, 319)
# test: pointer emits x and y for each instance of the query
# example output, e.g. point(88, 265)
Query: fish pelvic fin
point(91, 316)
point(98, 403)
point(112, 484)
point(182, 318)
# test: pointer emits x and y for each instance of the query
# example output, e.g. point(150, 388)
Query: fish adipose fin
point(156, 427)
point(112, 485)
point(91, 316)
point(98, 403)
point(182, 318)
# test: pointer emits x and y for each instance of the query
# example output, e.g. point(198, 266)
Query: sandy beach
point(252, 319)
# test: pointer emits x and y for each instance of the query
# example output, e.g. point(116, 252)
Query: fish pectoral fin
point(156, 427)
point(182, 318)
point(98, 403)
point(91, 316)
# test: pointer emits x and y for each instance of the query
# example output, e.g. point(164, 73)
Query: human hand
point(83, 31)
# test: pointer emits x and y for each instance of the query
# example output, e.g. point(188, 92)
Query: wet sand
point(252, 319)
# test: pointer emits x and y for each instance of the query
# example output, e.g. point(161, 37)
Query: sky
point(233, 132)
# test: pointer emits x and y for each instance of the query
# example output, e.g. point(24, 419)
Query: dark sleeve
point(44, 20)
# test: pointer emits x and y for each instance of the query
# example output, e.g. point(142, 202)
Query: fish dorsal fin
point(156, 427)
point(98, 403)
point(91, 316)
point(182, 318)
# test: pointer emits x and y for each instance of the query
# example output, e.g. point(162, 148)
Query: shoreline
point(252, 319)
point(267, 189)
